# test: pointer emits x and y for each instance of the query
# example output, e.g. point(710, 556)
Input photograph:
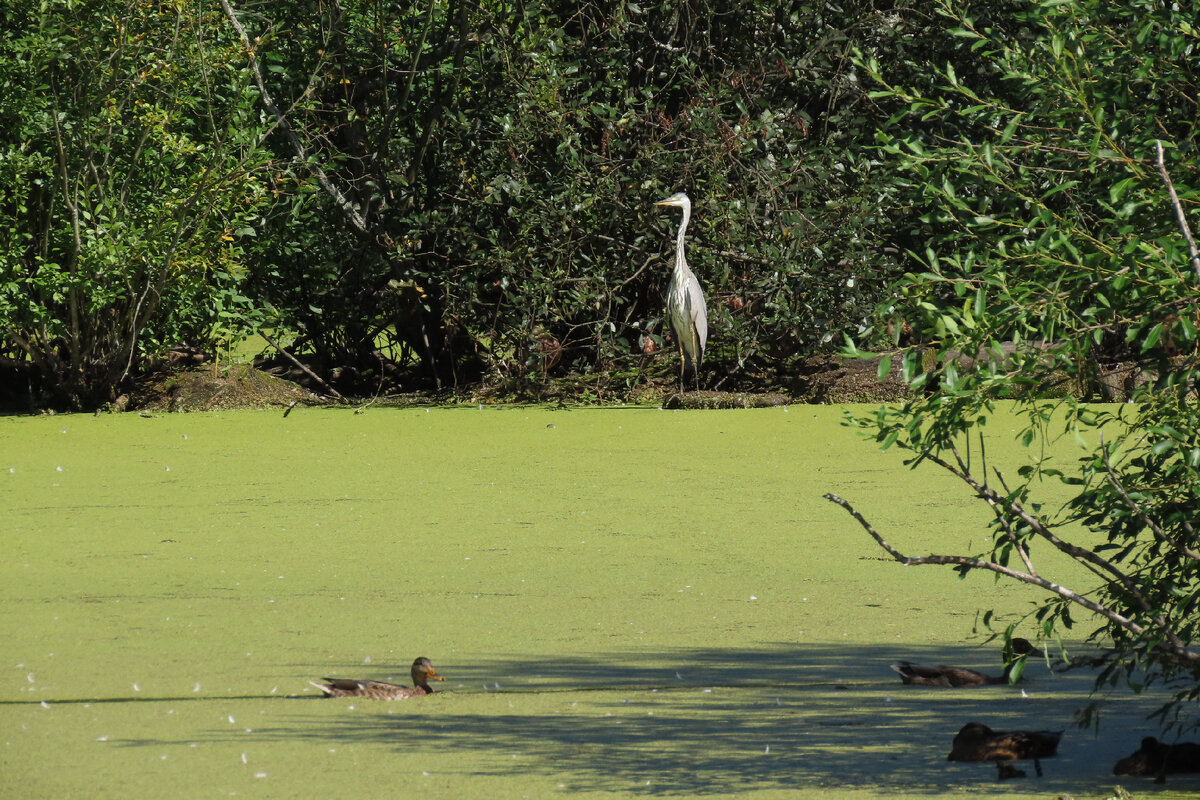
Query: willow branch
point(1179, 215)
point(1136, 508)
point(1088, 558)
point(964, 468)
point(991, 566)
point(1011, 534)
point(1176, 649)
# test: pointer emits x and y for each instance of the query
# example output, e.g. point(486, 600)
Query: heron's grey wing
point(678, 313)
point(672, 313)
point(699, 316)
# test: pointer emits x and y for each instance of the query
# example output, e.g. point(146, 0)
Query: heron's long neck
point(680, 262)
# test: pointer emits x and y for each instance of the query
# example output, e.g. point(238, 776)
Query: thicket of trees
point(448, 191)
point(437, 194)
point(128, 167)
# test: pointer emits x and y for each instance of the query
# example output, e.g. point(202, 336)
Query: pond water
point(624, 602)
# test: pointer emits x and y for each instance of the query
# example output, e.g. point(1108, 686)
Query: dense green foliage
point(126, 166)
point(1050, 228)
point(463, 189)
point(504, 160)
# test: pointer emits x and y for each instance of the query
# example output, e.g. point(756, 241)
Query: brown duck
point(422, 673)
point(1158, 759)
point(978, 742)
point(925, 675)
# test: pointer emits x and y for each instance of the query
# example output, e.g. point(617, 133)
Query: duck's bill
point(433, 676)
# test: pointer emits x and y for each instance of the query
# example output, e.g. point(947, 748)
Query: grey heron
point(686, 311)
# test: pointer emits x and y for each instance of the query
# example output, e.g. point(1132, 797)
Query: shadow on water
point(712, 721)
point(191, 698)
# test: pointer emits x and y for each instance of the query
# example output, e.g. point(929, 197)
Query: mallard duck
point(941, 675)
point(422, 673)
point(978, 742)
point(1158, 759)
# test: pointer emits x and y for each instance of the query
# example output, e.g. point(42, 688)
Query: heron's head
point(678, 199)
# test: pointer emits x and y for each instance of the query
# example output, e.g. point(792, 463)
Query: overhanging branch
point(1000, 504)
point(1171, 646)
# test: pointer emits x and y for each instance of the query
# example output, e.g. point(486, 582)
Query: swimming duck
point(422, 673)
point(1158, 759)
point(941, 675)
point(978, 742)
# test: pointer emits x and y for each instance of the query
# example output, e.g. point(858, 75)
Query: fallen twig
point(303, 367)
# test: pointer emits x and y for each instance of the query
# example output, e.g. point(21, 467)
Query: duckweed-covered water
point(625, 602)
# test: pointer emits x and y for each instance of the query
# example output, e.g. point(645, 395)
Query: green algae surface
point(625, 602)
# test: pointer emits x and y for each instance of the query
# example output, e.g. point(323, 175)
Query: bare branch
point(1174, 649)
point(1179, 215)
point(896, 554)
point(978, 563)
point(964, 468)
point(1007, 526)
point(302, 366)
point(348, 209)
point(1086, 557)
point(71, 200)
point(649, 260)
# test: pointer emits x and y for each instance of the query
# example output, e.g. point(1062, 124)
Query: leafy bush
point(126, 167)
point(1052, 254)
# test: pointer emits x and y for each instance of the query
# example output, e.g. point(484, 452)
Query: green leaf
point(1117, 191)
point(1187, 329)
point(1163, 446)
point(1062, 187)
point(1010, 129)
point(1152, 338)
